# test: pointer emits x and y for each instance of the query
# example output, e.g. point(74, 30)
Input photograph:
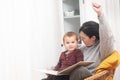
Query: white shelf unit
point(71, 15)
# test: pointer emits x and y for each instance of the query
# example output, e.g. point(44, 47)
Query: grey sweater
point(102, 48)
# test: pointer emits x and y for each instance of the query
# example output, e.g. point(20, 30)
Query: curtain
point(113, 14)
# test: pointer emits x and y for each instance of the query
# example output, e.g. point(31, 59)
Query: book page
point(67, 70)
point(48, 71)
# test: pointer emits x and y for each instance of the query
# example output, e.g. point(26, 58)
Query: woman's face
point(87, 40)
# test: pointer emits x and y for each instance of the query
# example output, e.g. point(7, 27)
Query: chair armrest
point(98, 75)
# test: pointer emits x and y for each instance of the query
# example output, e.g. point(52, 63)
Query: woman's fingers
point(97, 8)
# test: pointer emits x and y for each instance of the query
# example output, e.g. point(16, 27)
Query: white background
point(29, 37)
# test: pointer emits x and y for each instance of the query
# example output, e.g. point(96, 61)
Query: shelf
point(72, 17)
point(64, 0)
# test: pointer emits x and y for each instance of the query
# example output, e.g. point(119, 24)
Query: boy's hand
point(97, 8)
point(49, 75)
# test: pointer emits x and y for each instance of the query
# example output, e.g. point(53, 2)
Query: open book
point(65, 71)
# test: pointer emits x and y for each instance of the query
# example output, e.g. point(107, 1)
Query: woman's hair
point(90, 28)
point(70, 34)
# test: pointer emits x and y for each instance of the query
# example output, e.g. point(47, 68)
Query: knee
point(79, 73)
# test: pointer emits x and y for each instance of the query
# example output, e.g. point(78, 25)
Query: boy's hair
point(70, 34)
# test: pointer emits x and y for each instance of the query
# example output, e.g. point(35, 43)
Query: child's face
point(70, 43)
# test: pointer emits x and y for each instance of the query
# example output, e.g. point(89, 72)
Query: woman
point(98, 44)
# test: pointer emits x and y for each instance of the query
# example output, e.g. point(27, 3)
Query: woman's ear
point(93, 38)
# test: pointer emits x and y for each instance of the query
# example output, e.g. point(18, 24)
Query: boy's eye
point(73, 42)
point(67, 42)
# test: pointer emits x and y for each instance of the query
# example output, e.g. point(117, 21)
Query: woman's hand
point(97, 8)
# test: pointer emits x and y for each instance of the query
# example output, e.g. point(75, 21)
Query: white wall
point(87, 12)
point(14, 40)
point(46, 36)
point(113, 14)
point(29, 38)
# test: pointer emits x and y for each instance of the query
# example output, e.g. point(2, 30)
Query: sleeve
point(58, 66)
point(106, 38)
point(79, 56)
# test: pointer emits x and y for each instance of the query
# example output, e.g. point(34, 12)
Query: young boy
point(69, 57)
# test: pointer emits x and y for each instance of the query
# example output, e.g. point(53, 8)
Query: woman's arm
point(105, 34)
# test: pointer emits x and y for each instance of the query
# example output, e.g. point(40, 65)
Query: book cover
point(65, 71)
